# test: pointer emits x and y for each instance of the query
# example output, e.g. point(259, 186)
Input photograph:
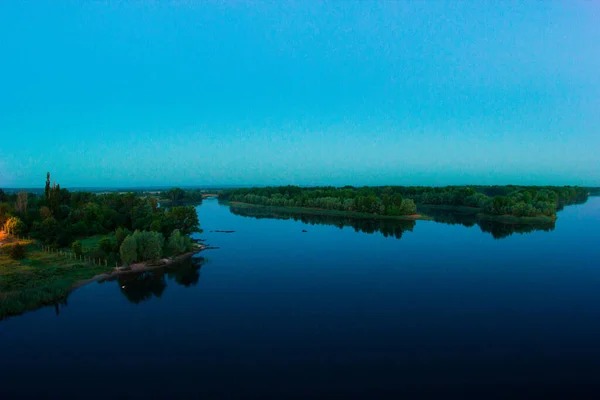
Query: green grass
point(40, 278)
point(90, 244)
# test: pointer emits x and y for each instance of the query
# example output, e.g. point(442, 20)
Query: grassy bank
point(39, 279)
point(318, 211)
point(43, 278)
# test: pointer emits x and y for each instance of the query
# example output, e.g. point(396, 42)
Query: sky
point(121, 93)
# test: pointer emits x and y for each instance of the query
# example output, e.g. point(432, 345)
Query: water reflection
point(146, 285)
point(395, 228)
point(500, 231)
point(386, 227)
point(497, 229)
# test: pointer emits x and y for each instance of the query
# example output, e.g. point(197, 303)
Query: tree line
point(519, 201)
point(58, 217)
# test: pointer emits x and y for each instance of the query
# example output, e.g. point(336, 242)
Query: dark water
point(340, 310)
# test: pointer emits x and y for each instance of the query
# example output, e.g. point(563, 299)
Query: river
point(369, 309)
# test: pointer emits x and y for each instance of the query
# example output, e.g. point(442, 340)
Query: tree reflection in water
point(145, 285)
point(387, 227)
point(498, 230)
point(395, 228)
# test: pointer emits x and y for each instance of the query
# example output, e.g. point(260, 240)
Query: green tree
point(176, 195)
point(47, 188)
point(141, 216)
point(105, 245)
point(49, 229)
point(14, 226)
point(120, 235)
point(22, 202)
point(128, 250)
point(45, 212)
point(17, 252)
point(156, 225)
point(176, 244)
point(183, 218)
point(153, 201)
point(5, 212)
point(77, 248)
point(149, 245)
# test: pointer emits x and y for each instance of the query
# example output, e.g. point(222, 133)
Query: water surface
point(365, 310)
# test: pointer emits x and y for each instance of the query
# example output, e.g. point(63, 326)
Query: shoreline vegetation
point(78, 237)
point(139, 267)
point(508, 204)
point(393, 227)
point(423, 216)
point(54, 240)
point(45, 279)
point(320, 211)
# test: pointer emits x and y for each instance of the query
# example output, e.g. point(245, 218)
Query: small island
point(55, 240)
point(509, 204)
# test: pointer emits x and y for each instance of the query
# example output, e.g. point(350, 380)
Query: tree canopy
point(58, 216)
point(519, 201)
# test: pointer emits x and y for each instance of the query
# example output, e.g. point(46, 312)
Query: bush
point(17, 252)
point(105, 245)
point(77, 248)
point(120, 235)
point(14, 226)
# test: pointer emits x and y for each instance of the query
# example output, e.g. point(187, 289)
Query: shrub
point(77, 248)
point(105, 245)
point(14, 226)
point(17, 252)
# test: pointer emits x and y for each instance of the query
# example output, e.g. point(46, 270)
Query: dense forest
point(178, 196)
point(58, 218)
point(518, 201)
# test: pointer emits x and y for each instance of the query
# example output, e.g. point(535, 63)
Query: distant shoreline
point(320, 211)
point(477, 212)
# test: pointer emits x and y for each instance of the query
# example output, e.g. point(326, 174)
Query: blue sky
point(340, 92)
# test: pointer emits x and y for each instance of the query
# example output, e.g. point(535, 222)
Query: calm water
point(337, 310)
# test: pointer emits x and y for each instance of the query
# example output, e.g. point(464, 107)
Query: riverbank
point(140, 267)
point(320, 211)
point(44, 278)
point(476, 212)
